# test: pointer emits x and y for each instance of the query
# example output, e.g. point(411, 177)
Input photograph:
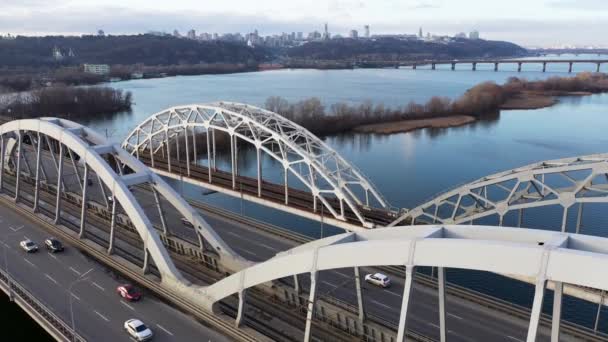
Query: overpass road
point(99, 313)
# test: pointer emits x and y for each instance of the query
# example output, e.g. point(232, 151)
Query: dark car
point(128, 292)
point(53, 245)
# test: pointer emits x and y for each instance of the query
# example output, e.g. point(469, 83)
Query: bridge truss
point(565, 183)
point(73, 161)
point(541, 256)
point(326, 175)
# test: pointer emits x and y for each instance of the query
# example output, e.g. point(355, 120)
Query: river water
point(407, 168)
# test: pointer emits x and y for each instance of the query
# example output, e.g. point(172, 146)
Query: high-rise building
point(326, 32)
point(420, 33)
point(366, 27)
point(176, 33)
point(191, 34)
point(354, 34)
point(474, 35)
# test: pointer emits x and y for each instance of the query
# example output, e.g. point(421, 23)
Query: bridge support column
point(112, 226)
point(195, 152)
point(37, 180)
point(209, 166)
point(103, 192)
point(239, 315)
point(520, 217)
point(557, 311)
point(161, 214)
point(407, 291)
point(286, 183)
point(187, 150)
point(495, 66)
point(598, 67)
point(414, 66)
point(311, 305)
point(519, 67)
point(544, 66)
point(474, 66)
point(20, 149)
point(296, 284)
point(146, 267)
point(233, 161)
point(565, 219)
point(433, 66)
point(3, 152)
point(151, 145)
point(214, 148)
point(359, 295)
point(59, 184)
point(83, 210)
point(537, 305)
point(179, 157)
point(579, 218)
point(453, 66)
point(168, 151)
point(442, 312)
point(259, 158)
point(570, 67)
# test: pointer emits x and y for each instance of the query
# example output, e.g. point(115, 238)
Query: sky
point(526, 22)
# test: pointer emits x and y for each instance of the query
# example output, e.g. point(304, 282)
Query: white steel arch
point(563, 182)
point(538, 255)
point(321, 169)
point(91, 148)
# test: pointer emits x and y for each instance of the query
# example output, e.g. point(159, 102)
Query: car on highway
point(128, 292)
point(138, 330)
point(29, 246)
point(186, 223)
point(53, 245)
point(378, 279)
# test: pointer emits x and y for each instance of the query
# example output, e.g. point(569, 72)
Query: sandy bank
point(411, 125)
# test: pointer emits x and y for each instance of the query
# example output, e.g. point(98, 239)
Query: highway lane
point(98, 311)
point(463, 318)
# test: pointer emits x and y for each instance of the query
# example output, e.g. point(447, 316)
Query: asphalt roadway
point(99, 313)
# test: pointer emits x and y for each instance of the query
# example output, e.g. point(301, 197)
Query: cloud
point(587, 5)
point(424, 6)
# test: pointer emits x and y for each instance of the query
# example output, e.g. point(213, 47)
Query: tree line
point(483, 99)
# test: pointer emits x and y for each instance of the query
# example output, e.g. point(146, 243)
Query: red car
point(128, 292)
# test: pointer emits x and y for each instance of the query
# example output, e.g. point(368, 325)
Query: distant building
point(97, 69)
point(191, 34)
point(326, 32)
point(176, 34)
point(354, 34)
point(300, 35)
point(460, 35)
point(420, 33)
point(474, 35)
point(101, 33)
point(71, 53)
point(57, 54)
point(366, 28)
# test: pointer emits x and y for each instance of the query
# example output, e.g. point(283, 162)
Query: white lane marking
point(163, 329)
point(249, 252)
point(98, 286)
point(25, 237)
point(75, 296)
point(29, 262)
point(392, 293)
point(51, 279)
point(235, 235)
point(15, 229)
point(102, 316)
point(381, 304)
point(127, 305)
point(73, 270)
point(52, 256)
point(268, 247)
point(514, 338)
point(343, 274)
point(455, 316)
point(328, 283)
point(433, 325)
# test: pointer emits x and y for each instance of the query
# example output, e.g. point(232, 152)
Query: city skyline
point(542, 23)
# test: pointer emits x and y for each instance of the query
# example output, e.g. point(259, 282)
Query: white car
point(29, 246)
point(378, 279)
point(138, 330)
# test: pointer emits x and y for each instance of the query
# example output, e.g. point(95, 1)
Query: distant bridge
point(518, 62)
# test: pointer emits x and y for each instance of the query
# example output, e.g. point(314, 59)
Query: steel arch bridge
point(563, 183)
point(345, 194)
point(60, 142)
point(541, 256)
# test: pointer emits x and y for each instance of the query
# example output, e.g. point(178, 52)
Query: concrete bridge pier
point(496, 66)
point(598, 67)
point(474, 66)
point(454, 66)
point(414, 66)
point(519, 67)
point(570, 67)
point(433, 66)
point(544, 66)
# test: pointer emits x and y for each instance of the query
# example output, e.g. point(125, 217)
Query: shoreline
point(522, 101)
